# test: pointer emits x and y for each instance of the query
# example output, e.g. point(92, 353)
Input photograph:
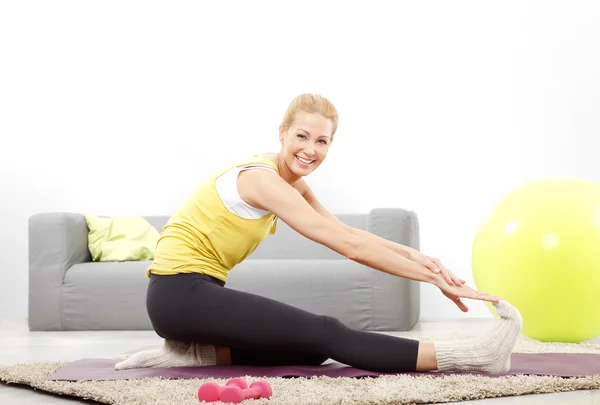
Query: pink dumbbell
point(211, 392)
point(235, 394)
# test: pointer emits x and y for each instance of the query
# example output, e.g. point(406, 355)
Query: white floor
point(19, 345)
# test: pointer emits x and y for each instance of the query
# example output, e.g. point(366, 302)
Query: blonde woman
point(223, 221)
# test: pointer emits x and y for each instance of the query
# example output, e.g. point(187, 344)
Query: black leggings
point(264, 332)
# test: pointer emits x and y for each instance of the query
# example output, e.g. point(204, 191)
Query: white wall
point(121, 107)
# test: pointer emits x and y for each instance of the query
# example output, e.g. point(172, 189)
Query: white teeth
point(304, 161)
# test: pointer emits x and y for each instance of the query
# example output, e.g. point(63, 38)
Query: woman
point(226, 218)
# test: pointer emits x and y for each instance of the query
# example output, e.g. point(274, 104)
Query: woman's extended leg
point(197, 308)
point(489, 353)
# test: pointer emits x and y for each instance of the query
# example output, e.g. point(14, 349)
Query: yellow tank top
point(203, 236)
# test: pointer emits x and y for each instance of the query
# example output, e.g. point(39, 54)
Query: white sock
point(489, 353)
point(171, 354)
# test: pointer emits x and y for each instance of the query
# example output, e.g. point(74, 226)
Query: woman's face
point(305, 144)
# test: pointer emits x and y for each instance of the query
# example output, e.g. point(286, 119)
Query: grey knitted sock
point(171, 354)
point(488, 353)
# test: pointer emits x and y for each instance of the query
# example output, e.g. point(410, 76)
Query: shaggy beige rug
point(401, 389)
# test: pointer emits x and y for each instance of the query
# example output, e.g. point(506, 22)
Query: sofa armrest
point(57, 241)
point(396, 300)
point(396, 224)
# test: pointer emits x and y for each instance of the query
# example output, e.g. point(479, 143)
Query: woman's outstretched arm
point(266, 190)
point(405, 251)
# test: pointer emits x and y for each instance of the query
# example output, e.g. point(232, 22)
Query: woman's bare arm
point(406, 251)
point(266, 190)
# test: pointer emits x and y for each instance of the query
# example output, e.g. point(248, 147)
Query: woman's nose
point(309, 150)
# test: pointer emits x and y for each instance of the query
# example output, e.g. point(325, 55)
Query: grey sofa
point(68, 291)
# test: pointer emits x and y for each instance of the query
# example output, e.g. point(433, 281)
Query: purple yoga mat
point(550, 364)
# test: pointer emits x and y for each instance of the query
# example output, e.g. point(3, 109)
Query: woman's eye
point(324, 142)
point(301, 136)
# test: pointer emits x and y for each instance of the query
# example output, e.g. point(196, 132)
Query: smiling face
point(305, 143)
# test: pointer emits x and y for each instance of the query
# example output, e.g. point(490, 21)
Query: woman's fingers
point(455, 280)
point(468, 292)
point(436, 266)
point(447, 274)
point(456, 299)
point(432, 265)
point(461, 305)
point(488, 297)
point(455, 293)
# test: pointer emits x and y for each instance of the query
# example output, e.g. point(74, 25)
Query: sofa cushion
point(96, 294)
point(121, 238)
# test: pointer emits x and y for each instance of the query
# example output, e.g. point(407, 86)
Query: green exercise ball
point(539, 249)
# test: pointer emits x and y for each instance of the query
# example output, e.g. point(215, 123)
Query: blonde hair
point(312, 104)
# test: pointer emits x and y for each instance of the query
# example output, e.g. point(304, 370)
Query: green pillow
point(118, 239)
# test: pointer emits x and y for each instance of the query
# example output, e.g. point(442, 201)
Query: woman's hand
point(455, 293)
point(435, 265)
point(450, 277)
